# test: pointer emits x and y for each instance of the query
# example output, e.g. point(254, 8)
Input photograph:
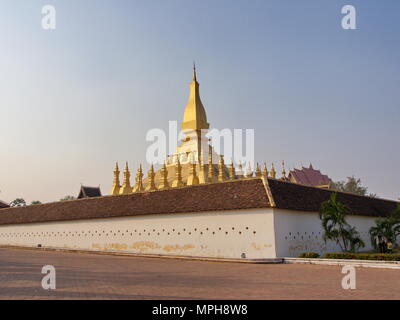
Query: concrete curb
point(343, 262)
point(117, 253)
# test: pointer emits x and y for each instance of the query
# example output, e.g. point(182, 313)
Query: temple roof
point(195, 117)
point(309, 177)
point(89, 192)
point(233, 195)
point(3, 205)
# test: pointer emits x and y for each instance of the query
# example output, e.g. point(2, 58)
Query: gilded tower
point(116, 184)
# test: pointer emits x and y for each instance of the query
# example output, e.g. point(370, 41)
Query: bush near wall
point(364, 256)
point(310, 255)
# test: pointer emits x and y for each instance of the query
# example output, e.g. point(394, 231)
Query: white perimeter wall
point(298, 232)
point(223, 234)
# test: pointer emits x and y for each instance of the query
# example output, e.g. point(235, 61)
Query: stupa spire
point(126, 187)
point(178, 175)
point(195, 117)
point(164, 178)
point(139, 181)
point(151, 186)
point(116, 184)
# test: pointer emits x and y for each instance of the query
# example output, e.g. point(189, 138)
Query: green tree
point(36, 202)
point(19, 202)
point(67, 198)
point(352, 185)
point(333, 217)
point(388, 227)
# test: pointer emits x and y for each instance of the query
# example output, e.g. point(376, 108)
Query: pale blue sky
point(75, 100)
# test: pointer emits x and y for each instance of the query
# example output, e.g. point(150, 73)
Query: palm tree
point(388, 227)
point(333, 216)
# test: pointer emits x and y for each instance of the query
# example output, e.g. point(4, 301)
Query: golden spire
point(139, 180)
point(195, 117)
point(258, 170)
point(164, 178)
point(232, 174)
point(211, 176)
point(203, 171)
point(126, 187)
point(193, 179)
point(178, 175)
point(283, 171)
point(116, 184)
point(151, 186)
point(221, 167)
point(273, 172)
point(240, 174)
point(249, 172)
point(265, 171)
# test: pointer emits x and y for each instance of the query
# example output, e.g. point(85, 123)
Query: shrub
point(364, 256)
point(310, 255)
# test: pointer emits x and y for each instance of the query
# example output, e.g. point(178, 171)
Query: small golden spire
point(232, 173)
point(265, 171)
point(240, 173)
point(249, 172)
point(126, 187)
point(203, 171)
point(273, 172)
point(164, 177)
point(283, 171)
point(211, 175)
point(177, 183)
point(221, 169)
point(139, 181)
point(151, 185)
point(258, 170)
point(193, 179)
point(116, 184)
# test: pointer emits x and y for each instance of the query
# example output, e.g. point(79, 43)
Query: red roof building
point(310, 177)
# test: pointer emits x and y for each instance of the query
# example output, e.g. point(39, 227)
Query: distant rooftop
point(89, 192)
point(309, 177)
point(3, 205)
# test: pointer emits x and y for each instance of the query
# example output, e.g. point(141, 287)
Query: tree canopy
point(352, 185)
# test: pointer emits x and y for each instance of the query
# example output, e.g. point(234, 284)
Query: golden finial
point(178, 175)
point(193, 179)
point(273, 172)
point(249, 173)
point(116, 184)
point(232, 173)
point(203, 171)
point(151, 185)
point(211, 175)
point(139, 180)
point(283, 171)
point(258, 170)
point(240, 173)
point(265, 171)
point(164, 177)
point(126, 187)
point(194, 71)
point(221, 169)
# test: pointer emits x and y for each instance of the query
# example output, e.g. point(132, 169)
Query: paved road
point(92, 276)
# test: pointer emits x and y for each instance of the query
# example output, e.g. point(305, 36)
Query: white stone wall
point(222, 234)
point(298, 232)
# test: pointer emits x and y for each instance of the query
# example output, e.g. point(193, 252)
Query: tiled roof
point(309, 177)
point(89, 192)
point(3, 205)
point(233, 195)
point(243, 194)
point(293, 196)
